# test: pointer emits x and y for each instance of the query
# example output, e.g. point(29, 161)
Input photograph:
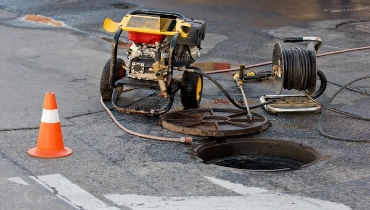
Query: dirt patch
point(43, 20)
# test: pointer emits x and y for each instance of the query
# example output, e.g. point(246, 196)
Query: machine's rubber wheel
point(105, 89)
point(191, 89)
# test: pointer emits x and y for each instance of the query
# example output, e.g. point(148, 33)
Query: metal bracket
point(290, 103)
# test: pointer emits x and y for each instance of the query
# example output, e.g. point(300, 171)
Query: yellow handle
point(110, 26)
point(179, 29)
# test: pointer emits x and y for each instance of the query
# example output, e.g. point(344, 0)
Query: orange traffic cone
point(50, 140)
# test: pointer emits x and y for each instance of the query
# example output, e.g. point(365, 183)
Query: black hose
point(173, 89)
point(323, 84)
point(343, 113)
point(227, 94)
point(299, 69)
point(350, 89)
point(112, 72)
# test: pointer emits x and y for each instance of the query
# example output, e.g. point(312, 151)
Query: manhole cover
point(258, 154)
point(214, 122)
point(361, 26)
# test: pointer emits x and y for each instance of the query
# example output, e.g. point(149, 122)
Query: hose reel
point(295, 69)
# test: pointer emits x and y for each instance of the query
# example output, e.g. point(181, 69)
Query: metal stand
point(289, 103)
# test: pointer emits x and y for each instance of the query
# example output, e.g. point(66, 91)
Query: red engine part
point(145, 38)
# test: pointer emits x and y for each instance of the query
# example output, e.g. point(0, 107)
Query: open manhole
point(258, 154)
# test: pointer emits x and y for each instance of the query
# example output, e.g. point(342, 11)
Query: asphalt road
point(110, 169)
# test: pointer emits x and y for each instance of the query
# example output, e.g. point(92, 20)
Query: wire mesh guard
point(214, 122)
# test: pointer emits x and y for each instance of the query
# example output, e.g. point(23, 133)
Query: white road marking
point(238, 188)
point(267, 201)
point(71, 193)
point(253, 198)
point(18, 180)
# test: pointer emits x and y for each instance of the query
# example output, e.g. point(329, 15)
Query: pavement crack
point(14, 162)
point(84, 114)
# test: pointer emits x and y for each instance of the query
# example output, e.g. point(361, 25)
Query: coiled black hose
point(299, 69)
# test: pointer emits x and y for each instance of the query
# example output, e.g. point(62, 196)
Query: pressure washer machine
point(159, 43)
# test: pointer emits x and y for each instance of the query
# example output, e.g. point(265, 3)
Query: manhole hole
point(123, 6)
point(214, 122)
point(258, 154)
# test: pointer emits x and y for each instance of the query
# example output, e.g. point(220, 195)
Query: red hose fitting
point(187, 140)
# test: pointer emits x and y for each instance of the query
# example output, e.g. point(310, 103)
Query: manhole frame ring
point(309, 149)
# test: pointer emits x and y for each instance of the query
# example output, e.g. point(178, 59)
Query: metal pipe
point(249, 113)
point(270, 62)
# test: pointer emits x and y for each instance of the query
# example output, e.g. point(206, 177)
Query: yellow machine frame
point(148, 24)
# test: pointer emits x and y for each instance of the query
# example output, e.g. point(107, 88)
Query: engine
point(142, 57)
point(145, 49)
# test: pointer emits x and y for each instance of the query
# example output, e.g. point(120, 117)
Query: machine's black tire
point(191, 89)
point(105, 88)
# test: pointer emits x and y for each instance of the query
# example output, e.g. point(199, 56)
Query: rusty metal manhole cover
point(214, 122)
point(258, 154)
